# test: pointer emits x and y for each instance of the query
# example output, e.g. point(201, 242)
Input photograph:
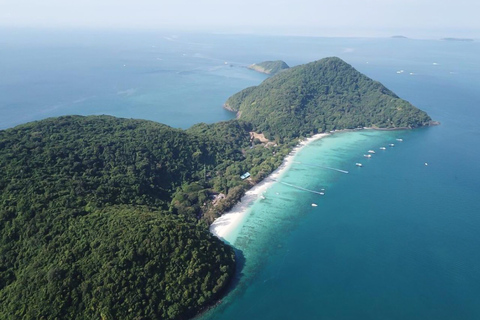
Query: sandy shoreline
point(225, 225)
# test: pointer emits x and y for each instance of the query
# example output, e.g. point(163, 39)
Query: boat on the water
point(383, 148)
point(367, 155)
point(358, 164)
point(371, 151)
point(399, 139)
point(391, 145)
point(314, 205)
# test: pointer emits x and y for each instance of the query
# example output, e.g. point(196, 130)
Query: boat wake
point(301, 188)
point(323, 167)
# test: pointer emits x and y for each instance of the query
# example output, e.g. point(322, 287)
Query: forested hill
point(321, 96)
point(107, 218)
point(108, 160)
point(86, 225)
point(269, 67)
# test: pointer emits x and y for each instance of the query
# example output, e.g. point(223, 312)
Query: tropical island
point(107, 218)
point(320, 96)
point(269, 67)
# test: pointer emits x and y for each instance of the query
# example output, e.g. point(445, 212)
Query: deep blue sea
point(394, 239)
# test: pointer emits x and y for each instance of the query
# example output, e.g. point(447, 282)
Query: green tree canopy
point(319, 96)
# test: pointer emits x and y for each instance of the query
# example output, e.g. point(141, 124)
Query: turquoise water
point(394, 239)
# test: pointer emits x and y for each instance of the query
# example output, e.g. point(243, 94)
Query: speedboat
point(358, 164)
point(367, 155)
point(383, 148)
point(371, 151)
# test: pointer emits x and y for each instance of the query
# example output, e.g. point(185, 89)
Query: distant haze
point(411, 18)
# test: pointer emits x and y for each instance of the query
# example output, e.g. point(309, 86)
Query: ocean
point(394, 239)
point(159, 77)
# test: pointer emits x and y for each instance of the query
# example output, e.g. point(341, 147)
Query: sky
point(415, 18)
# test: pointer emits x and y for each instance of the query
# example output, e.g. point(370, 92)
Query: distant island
point(457, 39)
point(107, 218)
point(269, 67)
point(398, 37)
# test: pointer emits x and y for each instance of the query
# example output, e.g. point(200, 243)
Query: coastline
point(259, 69)
point(225, 226)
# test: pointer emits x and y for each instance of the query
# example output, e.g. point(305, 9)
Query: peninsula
point(269, 67)
point(321, 96)
point(107, 218)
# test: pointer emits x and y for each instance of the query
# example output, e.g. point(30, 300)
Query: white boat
point(262, 197)
point(399, 139)
point(371, 151)
point(367, 155)
point(322, 193)
point(391, 145)
point(358, 164)
point(383, 148)
point(426, 163)
point(314, 205)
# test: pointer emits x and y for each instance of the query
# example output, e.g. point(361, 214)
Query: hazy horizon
point(342, 18)
point(291, 32)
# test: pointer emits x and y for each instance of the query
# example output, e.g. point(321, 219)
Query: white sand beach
point(224, 226)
